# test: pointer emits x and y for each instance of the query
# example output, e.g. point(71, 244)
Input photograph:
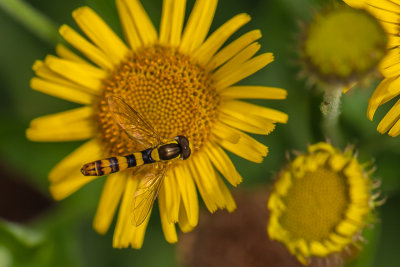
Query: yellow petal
point(204, 184)
point(252, 119)
point(254, 92)
point(356, 3)
point(44, 72)
point(246, 148)
point(72, 94)
point(172, 196)
point(390, 28)
point(219, 37)
point(222, 162)
point(198, 25)
point(224, 132)
point(236, 61)
point(81, 74)
point(166, 21)
point(393, 41)
point(128, 25)
point(390, 70)
point(395, 131)
point(390, 118)
point(98, 31)
point(230, 204)
point(136, 23)
point(63, 52)
point(206, 176)
point(184, 221)
point(392, 5)
point(188, 192)
point(378, 96)
point(168, 227)
point(244, 125)
point(388, 15)
point(91, 51)
point(247, 108)
point(71, 125)
point(243, 70)
point(233, 48)
point(125, 229)
point(66, 177)
point(178, 15)
point(173, 13)
point(110, 198)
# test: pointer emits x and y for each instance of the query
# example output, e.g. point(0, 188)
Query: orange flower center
point(173, 93)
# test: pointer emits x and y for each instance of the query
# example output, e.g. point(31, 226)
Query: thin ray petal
point(184, 223)
point(44, 72)
point(99, 32)
point(188, 193)
point(377, 97)
point(166, 21)
point(248, 108)
point(168, 227)
point(124, 228)
point(178, 15)
point(390, 118)
point(265, 128)
point(172, 196)
point(219, 37)
point(245, 149)
point(110, 197)
point(223, 164)
point(66, 177)
point(230, 204)
point(254, 92)
point(81, 74)
point(61, 91)
point(65, 53)
point(69, 125)
point(243, 70)
point(85, 47)
point(198, 25)
point(236, 61)
point(233, 48)
point(139, 20)
point(128, 25)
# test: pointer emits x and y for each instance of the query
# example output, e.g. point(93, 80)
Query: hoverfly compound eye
point(184, 144)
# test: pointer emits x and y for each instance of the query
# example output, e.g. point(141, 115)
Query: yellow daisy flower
point(388, 14)
point(182, 82)
point(320, 202)
point(342, 46)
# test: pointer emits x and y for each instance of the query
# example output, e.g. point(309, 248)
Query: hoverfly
point(152, 160)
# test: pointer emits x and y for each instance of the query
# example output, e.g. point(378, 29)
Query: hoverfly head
point(185, 147)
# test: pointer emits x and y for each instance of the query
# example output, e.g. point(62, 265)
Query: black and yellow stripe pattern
point(165, 152)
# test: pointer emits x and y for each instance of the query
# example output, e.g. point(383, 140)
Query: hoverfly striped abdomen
point(105, 166)
point(177, 148)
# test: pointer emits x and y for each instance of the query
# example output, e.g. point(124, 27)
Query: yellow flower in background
point(320, 202)
point(180, 81)
point(342, 46)
point(388, 14)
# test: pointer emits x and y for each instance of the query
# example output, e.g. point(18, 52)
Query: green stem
point(32, 19)
point(330, 109)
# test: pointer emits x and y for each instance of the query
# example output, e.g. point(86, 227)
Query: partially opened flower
point(182, 83)
point(341, 46)
point(321, 202)
point(388, 14)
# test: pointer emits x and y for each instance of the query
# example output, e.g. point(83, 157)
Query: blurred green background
point(36, 231)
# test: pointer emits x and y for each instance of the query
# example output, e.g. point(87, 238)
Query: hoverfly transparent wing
point(147, 192)
point(136, 127)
